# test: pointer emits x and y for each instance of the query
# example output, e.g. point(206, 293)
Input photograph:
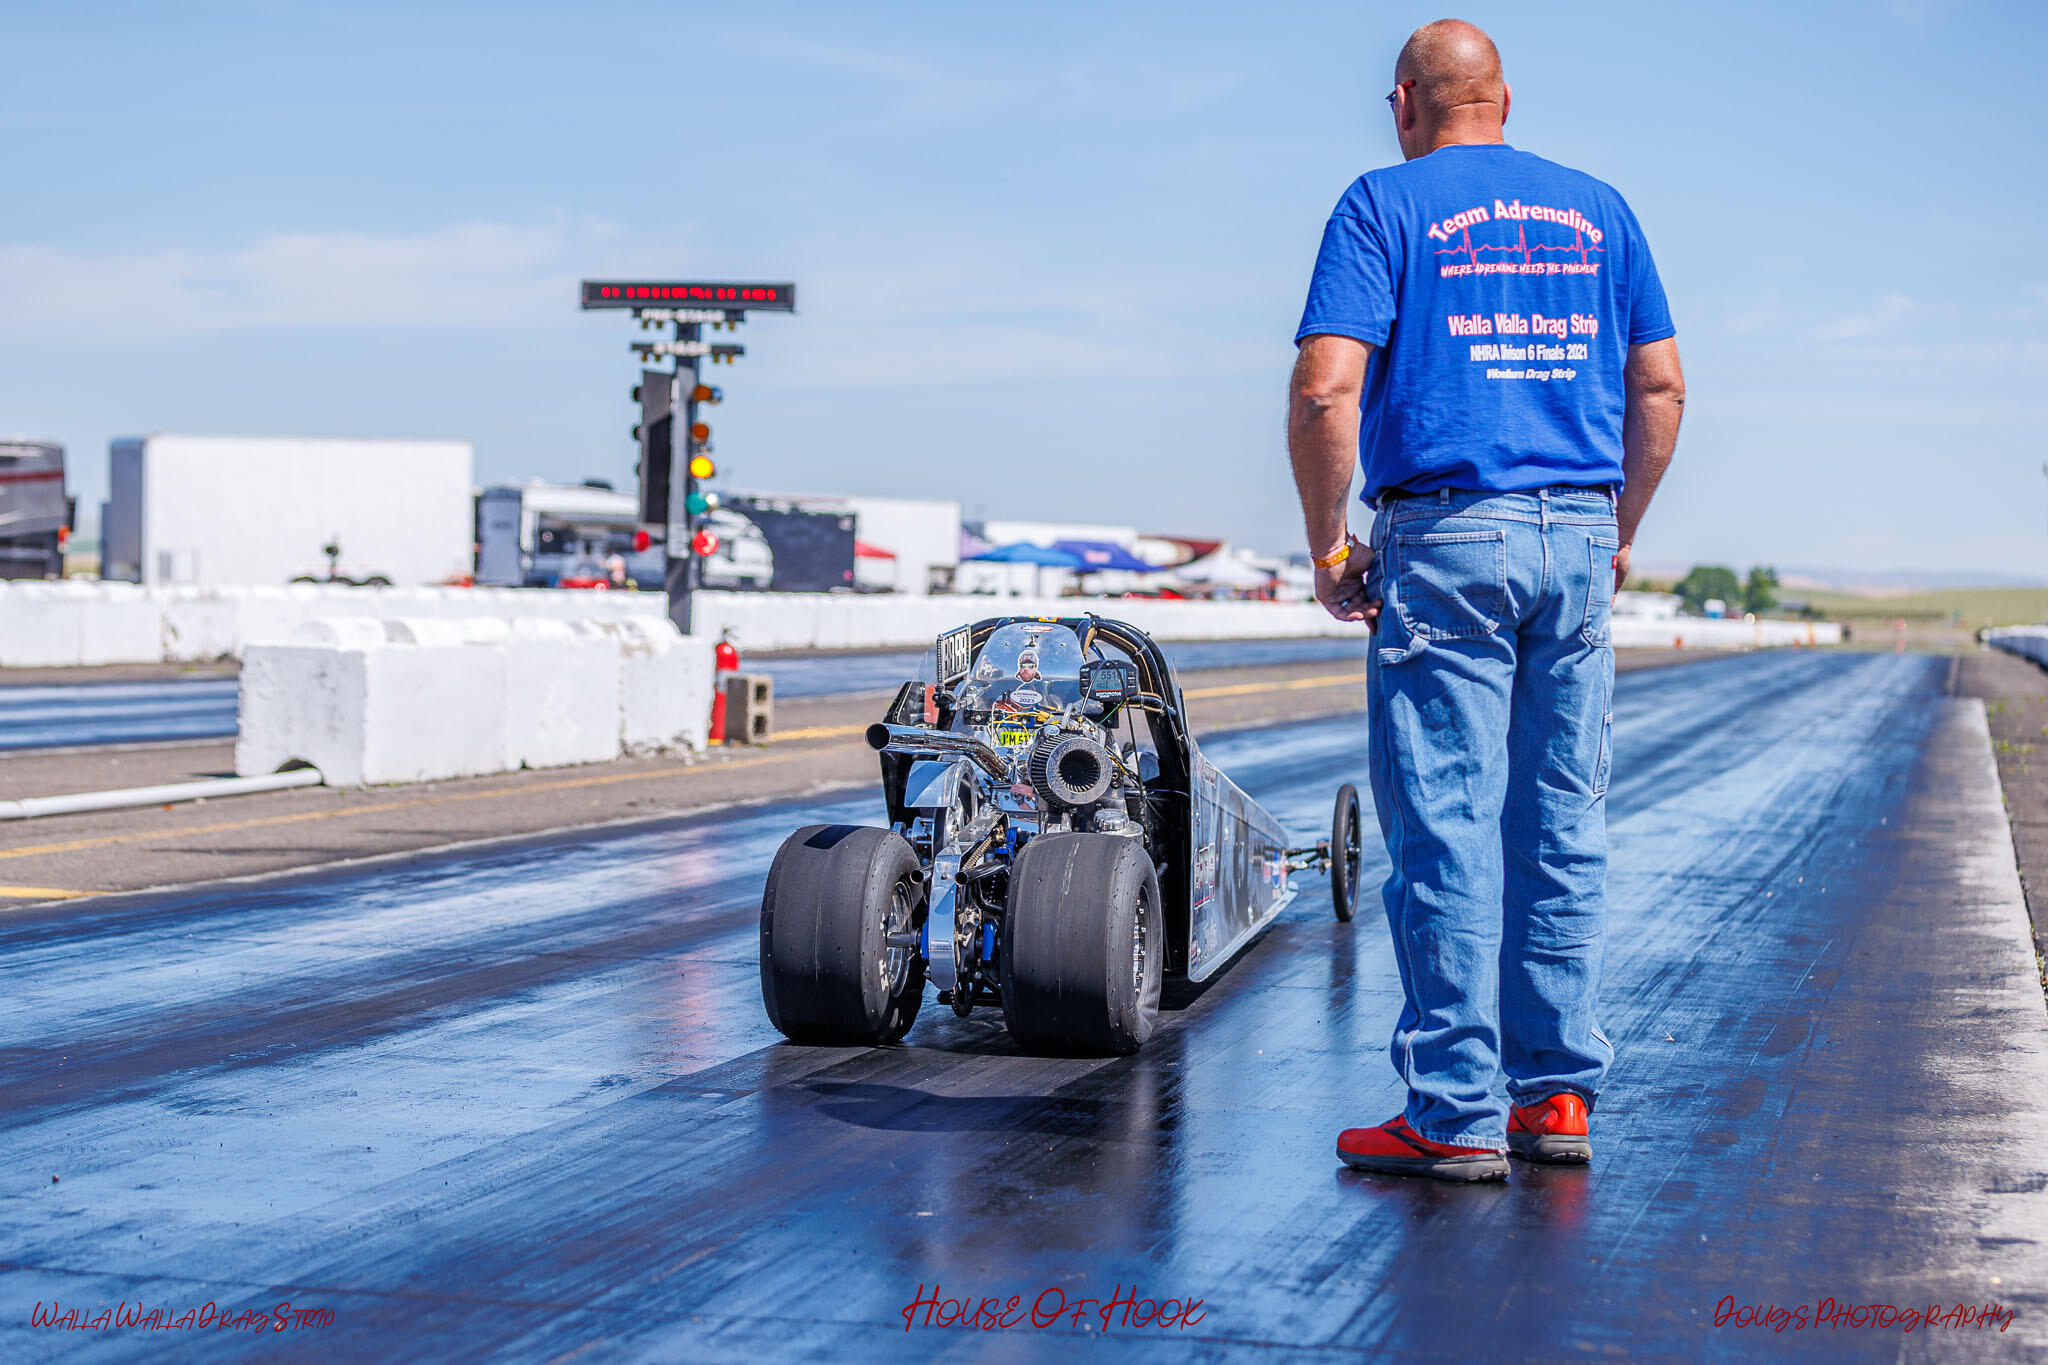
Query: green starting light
point(697, 504)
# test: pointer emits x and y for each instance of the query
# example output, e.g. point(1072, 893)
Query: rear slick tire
point(1084, 943)
point(828, 973)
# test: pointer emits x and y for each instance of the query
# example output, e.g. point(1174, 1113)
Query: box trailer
point(262, 509)
point(35, 513)
point(540, 535)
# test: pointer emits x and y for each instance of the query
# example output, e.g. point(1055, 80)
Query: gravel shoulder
point(2015, 695)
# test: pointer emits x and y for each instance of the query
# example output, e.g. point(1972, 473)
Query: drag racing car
point(1057, 846)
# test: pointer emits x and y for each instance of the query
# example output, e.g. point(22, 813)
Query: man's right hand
point(1620, 567)
point(1341, 588)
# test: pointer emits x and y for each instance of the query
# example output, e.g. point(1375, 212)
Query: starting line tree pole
point(675, 451)
point(679, 575)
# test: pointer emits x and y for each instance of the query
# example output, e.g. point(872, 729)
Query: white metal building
point(261, 509)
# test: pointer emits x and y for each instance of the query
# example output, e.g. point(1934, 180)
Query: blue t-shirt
point(1503, 292)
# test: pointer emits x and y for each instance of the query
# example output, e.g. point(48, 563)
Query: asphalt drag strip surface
point(522, 1102)
point(38, 715)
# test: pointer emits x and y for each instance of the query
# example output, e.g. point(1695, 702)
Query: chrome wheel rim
point(894, 964)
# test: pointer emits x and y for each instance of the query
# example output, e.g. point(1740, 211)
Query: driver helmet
point(1027, 659)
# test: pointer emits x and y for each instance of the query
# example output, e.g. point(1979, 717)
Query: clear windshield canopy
point(1025, 666)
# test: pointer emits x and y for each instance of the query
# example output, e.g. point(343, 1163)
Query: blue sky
point(1040, 247)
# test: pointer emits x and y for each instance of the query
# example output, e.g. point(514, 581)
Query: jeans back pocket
point(1598, 629)
point(1453, 584)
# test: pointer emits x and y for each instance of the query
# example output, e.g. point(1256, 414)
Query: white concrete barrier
point(561, 695)
point(55, 624)
point(61, 625)
point(375, 701)
point(1698, 632)
point(665, 683)
point(420, 699)
point(790, 621)
point(2029, 642)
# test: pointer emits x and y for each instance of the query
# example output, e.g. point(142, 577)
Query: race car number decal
point(1008, 736)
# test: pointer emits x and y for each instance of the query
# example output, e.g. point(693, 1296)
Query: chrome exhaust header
point(911, 741)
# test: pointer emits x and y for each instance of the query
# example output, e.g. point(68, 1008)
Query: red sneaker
point(1551, 1131)
point(1397, 1149)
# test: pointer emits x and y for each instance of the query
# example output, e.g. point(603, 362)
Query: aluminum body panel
point(1237, 868)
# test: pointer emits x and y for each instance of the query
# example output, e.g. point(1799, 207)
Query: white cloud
point(947, 306)
point(461, 275)
point(1884, 318)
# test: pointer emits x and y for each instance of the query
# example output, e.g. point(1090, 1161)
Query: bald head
point(1454, 65)
point(1457, 93)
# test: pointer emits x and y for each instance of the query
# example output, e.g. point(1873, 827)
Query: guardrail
point(2028, 641)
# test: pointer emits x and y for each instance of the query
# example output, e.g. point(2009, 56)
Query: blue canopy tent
point(1024, 552)
point(1096, 555)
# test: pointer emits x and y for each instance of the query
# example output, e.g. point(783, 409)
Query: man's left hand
point(1341, 588)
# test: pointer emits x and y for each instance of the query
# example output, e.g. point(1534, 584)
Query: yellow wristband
point(1343, 553)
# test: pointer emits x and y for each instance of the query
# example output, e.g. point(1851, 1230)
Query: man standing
point(1486, 334)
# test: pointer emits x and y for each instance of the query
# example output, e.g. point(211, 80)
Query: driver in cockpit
point(1029, 691)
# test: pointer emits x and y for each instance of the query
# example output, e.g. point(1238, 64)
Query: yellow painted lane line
point(41, 893)
point(1295, 685)
point(822, 731)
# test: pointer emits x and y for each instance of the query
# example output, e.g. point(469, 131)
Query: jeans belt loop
point(1544, 495)
point(1443, 496)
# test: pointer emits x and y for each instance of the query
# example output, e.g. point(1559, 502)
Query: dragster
point(1057, 846)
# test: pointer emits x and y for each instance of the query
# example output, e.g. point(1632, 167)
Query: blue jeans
point(1491, 713)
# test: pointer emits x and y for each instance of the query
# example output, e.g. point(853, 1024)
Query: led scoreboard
point(776, 298)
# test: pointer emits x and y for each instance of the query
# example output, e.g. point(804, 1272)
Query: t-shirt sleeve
point(1351, 293)
point(1649, 314)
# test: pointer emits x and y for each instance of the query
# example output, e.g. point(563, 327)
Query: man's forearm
point(1322, 435)
point(1649, 429)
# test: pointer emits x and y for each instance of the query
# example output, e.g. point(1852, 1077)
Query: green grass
point(1979, 606)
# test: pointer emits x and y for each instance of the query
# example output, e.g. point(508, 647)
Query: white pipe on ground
point(31, 807)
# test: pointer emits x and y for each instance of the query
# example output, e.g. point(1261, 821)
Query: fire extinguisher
point(725, 658)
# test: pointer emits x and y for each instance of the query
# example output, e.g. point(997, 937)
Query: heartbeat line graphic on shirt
point(1521, 247)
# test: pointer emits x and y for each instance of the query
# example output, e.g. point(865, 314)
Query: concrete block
point(370, 702)
point(749, 708)
point(664, 685)
point(308, 701)
point(562, 694)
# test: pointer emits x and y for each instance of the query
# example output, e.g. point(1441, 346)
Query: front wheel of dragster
point(1344, 853)
point(1084, 943)
point(840, 919)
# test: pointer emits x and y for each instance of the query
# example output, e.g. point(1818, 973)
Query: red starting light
point(705, 543)
point(641, 540)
